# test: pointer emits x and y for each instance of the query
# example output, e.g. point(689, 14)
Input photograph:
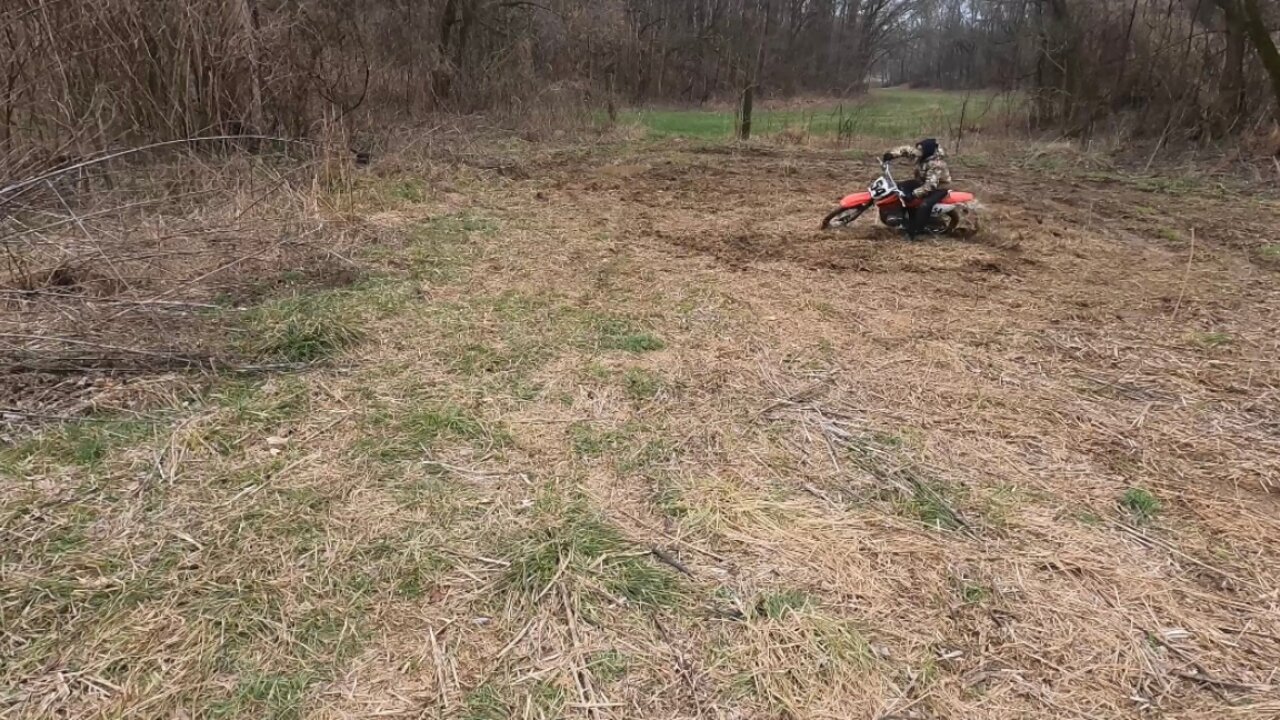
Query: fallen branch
point(23, 184)
point(93, 301)
point(670, 559)
point(1152, 541)
point(1201, 676)
point(102, 346)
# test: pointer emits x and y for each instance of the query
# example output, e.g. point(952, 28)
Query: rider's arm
point(903, 152)
point(933, 174)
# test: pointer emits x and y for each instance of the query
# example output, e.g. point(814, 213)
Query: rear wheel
point(843, 216)
point(944, 224)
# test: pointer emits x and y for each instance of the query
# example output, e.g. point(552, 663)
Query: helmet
point(928, 147)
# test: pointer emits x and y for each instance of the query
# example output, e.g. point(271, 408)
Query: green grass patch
point(478, 360)
point(82, 443)
point(301, 328)
point(1270, 251)
point(641, 384)
point(632, 447)
point(485, 703)
point(458, 224)
point(412, 191)
point(912, 488)
point(405, 562)
point(890, 113)
point(440, 248)
point(424, 426)
point(1211, 340)
point(777, 605)
point(648, 455)
point(790, 657)
point(608, 666)
point(618, 333)
point(257, 406)
point(586, 545)
point(540, 700)
point(588, 441)
point(262, 695)
point(396, 433)
point(972, 594)
point(251, 411)
point(502, 339)
point(1141, 504)
point(930, 503)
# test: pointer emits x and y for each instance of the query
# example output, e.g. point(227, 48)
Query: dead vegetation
point(608, 431)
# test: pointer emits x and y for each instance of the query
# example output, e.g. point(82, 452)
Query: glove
point(887, 157)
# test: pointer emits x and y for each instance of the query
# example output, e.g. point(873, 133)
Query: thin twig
point(1186, 275)
point(673, 538)
point(581, 674)
point(439, 663)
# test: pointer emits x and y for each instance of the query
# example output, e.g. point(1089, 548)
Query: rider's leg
point(908, 188)
point(920, 214)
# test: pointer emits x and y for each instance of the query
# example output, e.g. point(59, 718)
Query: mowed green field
point(887, 112)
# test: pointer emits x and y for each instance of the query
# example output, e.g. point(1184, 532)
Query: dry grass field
point(611, 430)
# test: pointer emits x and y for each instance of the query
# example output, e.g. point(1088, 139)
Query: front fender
point(855, 200)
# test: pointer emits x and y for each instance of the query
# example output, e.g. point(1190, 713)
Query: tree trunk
point(1231, 93)
point(1265, 46)
point(247, 11)
point(442, 78)
point(748, 96)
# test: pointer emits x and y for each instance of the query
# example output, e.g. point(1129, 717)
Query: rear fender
point(856, 200)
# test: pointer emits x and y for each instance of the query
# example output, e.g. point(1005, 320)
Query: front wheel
point(843, 216)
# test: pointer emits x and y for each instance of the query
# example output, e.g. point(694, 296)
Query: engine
point(893, 217)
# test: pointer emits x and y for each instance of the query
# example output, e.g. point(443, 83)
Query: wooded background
point(78, 76)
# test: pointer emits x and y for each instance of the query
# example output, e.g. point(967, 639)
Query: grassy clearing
point(884, 113)
point(871, 468)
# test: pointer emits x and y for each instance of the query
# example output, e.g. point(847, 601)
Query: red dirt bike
point(893, 205)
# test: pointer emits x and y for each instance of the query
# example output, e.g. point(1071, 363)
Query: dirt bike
point(894, 204)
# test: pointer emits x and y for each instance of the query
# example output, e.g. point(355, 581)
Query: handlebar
point(884, 168)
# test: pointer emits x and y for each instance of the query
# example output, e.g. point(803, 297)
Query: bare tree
point(79, 76)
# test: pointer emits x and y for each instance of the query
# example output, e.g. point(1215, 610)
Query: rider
point(933, 180)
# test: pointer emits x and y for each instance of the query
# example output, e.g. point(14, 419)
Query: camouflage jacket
point(932, 174)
